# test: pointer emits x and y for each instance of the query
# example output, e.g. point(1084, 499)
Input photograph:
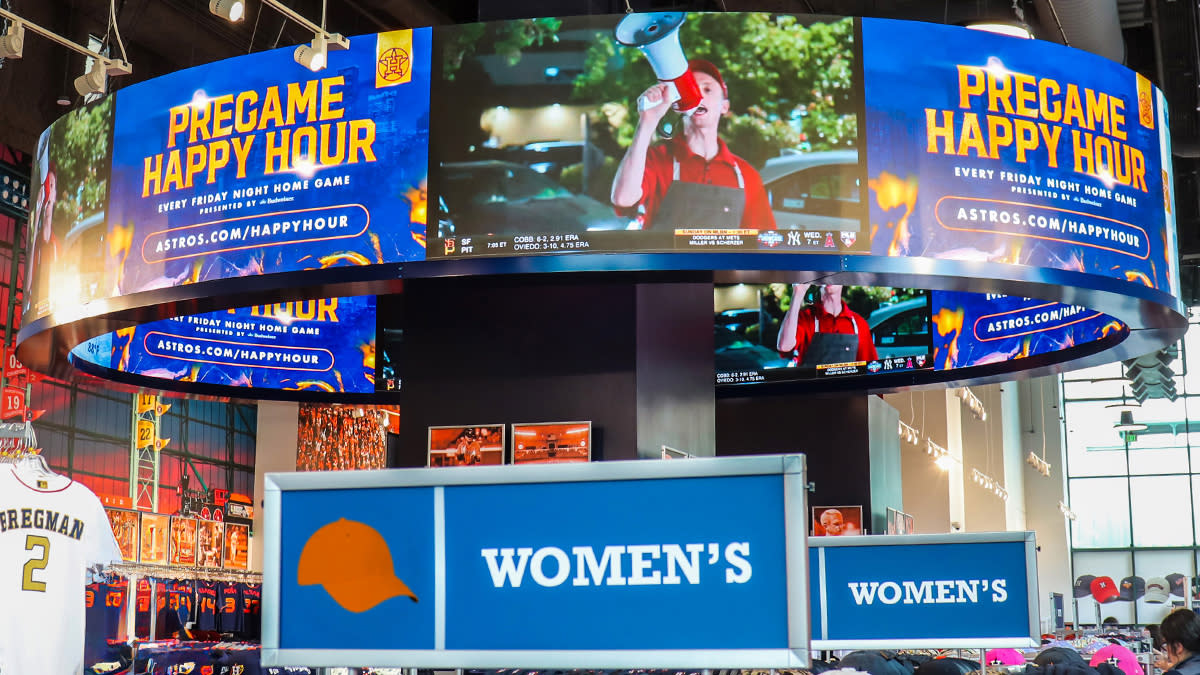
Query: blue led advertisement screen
point(325, 345)
point(243, 167)
point(979, 329)
point(992, 149)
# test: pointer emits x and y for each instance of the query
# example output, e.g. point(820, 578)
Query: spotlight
point(230, 10)
point(315, 55)
point(312, 56)
point(13, 41)
point(93, 81)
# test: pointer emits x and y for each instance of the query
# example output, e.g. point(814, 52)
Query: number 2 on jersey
point(33, 564)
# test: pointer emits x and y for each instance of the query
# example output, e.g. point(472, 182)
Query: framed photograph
point(547, 442)
point(125, 530)
point(909, 526)
point(895, 521)
point(154, 537)
point(183, 541)
point(237, 547)
point(210, 543)
point(672, 453)
point(836, 521)
point(476, 444)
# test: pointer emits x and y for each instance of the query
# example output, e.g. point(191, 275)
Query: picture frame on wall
point(552, 442)
point(836, 521)
point(125, 530)
point(465, 445)
point(154, 538)
point(183, 541)
point(237, 547)
point(210, 543)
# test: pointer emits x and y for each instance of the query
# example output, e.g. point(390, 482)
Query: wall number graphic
point(28, 583)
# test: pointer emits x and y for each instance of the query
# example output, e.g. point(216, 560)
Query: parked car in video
point(549, 158)
point(815, 190)
point(737, 320)
point(494, 197)
point(901, 329)
point(735, 353)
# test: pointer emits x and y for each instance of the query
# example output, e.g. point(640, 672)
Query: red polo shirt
point(660, 171)
point(807, 322)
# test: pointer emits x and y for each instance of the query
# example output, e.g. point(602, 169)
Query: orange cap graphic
point(352, 562)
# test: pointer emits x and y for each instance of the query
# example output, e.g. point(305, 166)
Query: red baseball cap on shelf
point(1104, 589)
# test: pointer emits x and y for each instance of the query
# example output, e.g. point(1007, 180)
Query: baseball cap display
point(1003, 657)
point(1177, 585)
point(1104, 589)
point(1052, 655)
point(1120, 657)
point(1083, 586)
point(1132, 588)
point(1157, 590)
point(352, 561)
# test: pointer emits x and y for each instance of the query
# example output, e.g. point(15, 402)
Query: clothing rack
point(126, 569)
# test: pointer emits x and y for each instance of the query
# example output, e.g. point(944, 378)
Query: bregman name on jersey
point(41, 519)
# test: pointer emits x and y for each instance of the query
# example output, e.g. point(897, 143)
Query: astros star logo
point(393, 64)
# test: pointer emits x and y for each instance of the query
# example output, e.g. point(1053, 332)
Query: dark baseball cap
point(1132, 588)
point(1055, 655)
point(1176, 581)
point(1083, 586)
point(1104, 589)
point(710, 69)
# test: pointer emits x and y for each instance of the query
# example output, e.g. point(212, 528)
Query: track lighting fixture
point(93, 81)
point(313, 55)
point(13, 41)
point(230, 10)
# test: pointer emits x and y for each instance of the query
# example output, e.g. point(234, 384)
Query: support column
point(954, 444)
point(1014, 457)
point(274, 451)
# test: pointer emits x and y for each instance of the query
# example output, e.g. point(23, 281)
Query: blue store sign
point(916, 591)
point(612, 565)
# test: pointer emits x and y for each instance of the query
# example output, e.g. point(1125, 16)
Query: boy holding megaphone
point(691, 180)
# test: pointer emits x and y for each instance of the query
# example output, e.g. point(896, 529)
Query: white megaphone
point(656, 34)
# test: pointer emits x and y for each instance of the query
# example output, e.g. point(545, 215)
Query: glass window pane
point(1077, 389)
point(1106, 371)
point(1149, 460)
point(1157, 503)
point(1102, 508)
point(1191, 350)
point(1093, 447)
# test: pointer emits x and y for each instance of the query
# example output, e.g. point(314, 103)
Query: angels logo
point(848, 238)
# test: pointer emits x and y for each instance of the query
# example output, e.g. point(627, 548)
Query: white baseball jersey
point(51, 530)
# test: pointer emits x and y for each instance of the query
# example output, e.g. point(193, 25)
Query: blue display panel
point(257, 165)
point(930, 591)
point(475, 555)
point(978, 329)
point(986, 148)
point(325, 345)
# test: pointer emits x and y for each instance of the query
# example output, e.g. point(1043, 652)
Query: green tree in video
point(789, 84)
point(505, 38)
point(80, 153)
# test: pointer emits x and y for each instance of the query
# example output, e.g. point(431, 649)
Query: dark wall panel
point(831, 430)
point(495, 350)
